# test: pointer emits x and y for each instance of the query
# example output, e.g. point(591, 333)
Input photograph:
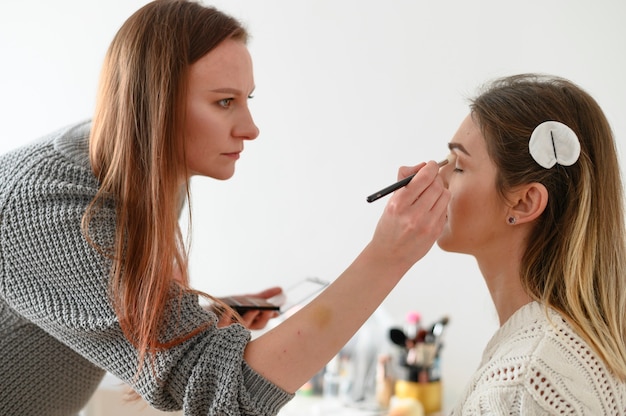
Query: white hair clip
point(553, 142)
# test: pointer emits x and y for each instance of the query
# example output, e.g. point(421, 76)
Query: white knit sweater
point(536, 365)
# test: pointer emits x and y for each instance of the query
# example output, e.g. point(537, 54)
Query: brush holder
point(429, 394)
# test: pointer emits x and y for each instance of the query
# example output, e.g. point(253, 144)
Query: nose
point(245, 127)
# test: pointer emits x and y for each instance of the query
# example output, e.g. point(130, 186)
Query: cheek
point(198, 122)
point(199, 149)
point(466, 214)
point(460, 204)
point(200, 132)
point(449, 237)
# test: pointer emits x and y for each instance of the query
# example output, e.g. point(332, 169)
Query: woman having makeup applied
point(93, 269)
point(537, 199)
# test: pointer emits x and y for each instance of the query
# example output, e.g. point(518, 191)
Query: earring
point(511, 220)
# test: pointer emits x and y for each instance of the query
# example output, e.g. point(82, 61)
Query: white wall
point(346, 92)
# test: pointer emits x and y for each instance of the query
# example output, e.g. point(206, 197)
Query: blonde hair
point(575, 258)
point(135, 152)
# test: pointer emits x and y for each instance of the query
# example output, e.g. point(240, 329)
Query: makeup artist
point(537, 199)
point(93, 270)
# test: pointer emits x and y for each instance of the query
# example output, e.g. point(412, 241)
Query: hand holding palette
point(293, 296)
point(242, 304)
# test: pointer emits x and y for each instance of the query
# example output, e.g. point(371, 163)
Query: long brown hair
point(135, 153)
point(575, 258)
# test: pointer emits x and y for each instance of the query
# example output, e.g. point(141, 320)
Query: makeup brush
point(398, 337)
point(403, 182)
point(437, 328)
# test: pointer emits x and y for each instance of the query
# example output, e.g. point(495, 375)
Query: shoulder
point(58, 161)
point(45, 188)
point(72, 142)
point(68, 145)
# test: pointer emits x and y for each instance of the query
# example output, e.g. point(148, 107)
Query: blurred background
point(346, 92)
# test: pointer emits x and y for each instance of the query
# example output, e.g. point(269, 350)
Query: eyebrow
point(232, 91)
point(459, 146)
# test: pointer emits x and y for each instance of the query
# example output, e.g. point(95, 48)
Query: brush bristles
point(449, 159)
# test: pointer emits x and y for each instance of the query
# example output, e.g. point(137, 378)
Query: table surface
point(106, 398)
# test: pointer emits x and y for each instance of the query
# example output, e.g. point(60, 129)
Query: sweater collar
point(530, 313)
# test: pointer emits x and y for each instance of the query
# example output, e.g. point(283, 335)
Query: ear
point(528, 202)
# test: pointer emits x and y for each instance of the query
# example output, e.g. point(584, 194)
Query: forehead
point(468, 138)
point(229, 62)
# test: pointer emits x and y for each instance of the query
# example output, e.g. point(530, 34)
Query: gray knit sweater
point(58, 332)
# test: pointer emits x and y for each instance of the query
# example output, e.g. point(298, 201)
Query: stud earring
point(511, 220)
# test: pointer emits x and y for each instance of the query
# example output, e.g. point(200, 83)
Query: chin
point(448, 245)
point(446, 242)
point(226, 177)
point(442, 245)
point(221, 176)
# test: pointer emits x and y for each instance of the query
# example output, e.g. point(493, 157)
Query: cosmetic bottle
point(332, 380)
point(384, 381)
point(405, 406)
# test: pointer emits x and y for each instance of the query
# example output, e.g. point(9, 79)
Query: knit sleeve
point(53, 277)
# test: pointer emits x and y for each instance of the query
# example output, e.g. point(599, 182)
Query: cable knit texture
point(58, 331)
point(535, 364)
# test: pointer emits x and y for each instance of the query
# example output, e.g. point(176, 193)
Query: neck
point(507, 298)
point(501, 274)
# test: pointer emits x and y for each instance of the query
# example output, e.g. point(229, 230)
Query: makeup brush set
point(420, 380)
point(421, 350)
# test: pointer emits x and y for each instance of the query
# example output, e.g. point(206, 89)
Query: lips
point(233, 155)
